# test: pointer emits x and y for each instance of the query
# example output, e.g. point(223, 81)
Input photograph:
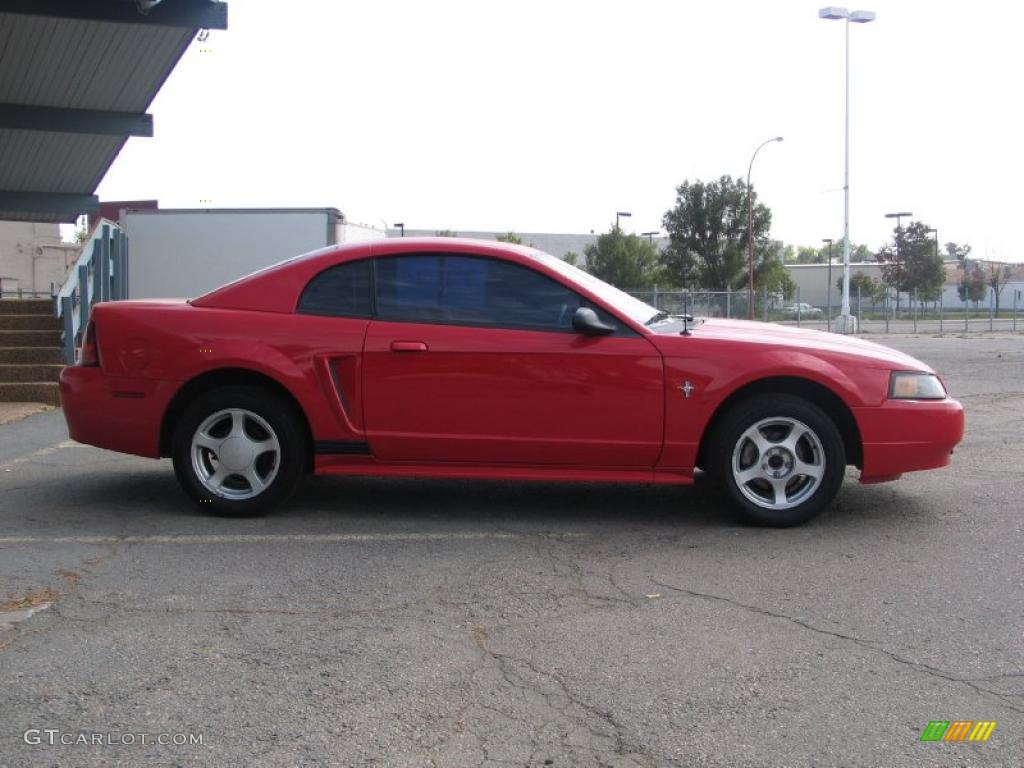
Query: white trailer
point(182, 253)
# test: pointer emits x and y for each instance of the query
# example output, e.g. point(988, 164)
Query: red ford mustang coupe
point(453, 358)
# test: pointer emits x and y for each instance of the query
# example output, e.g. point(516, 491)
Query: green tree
point(869, 287)
point(808, 254)
point(972, 286)
point(858, 252)
point(571, 257)
point(918, 268)
point(628, 262)
point(998, 277)
point(958, 252)
point(510, 237)
point(707, 232)
point(772, 277)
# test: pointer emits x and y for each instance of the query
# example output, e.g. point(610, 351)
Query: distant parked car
point(441, 357)
point(802, 310)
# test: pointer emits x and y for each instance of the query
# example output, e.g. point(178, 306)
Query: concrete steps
point(27, 322)
point(30, 392)
point(37, 355)
point(20, 372)
point(29, 338)
point(30, 351)
point(27, 307)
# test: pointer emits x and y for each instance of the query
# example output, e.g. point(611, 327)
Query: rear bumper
point(118, 414)
point(908, 435)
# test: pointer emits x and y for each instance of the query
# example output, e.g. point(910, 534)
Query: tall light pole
point(750, 231)
point(650, 236)
point(620, 215)
point(828, 292)
point(846, 323)
point(401, 228)
point(899, 270)
point(935, 232)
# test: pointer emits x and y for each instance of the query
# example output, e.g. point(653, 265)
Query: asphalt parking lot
point(414, 623)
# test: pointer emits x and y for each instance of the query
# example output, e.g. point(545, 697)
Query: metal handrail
point(99, 274)
point(24, 293)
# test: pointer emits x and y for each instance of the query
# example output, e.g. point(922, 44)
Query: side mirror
point(587, 322)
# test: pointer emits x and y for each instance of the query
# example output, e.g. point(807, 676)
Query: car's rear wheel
point(779, 458)
point(239, 451)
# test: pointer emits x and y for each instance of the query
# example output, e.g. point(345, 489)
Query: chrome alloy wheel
point(235, 454)
point(778, 463)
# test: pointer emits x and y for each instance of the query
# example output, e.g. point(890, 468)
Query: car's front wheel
point(779, 458)
point(238, 451)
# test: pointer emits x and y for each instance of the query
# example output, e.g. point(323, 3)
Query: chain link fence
point(874, 314)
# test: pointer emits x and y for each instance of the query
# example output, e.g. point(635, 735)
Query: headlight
point(906, 385)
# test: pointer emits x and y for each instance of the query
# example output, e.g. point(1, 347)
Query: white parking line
point(9, 619)
point(41, 452)
point(243, 538)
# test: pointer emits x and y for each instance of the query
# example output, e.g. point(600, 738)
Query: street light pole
point(401, 228)
point(828, 291)
point(847, 323)
point(750, 231)
point(618, 215)
point(899, 269)
point(935, 232)
point(649, 236)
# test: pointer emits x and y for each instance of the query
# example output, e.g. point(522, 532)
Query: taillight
point(90, 352)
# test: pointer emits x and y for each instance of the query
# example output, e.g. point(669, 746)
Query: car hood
point(806, 340)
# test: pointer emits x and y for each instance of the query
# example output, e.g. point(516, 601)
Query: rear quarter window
point(343, 290)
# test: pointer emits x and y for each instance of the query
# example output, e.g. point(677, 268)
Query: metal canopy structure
point(76, 79)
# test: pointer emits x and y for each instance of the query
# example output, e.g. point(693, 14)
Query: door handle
point(408, 346)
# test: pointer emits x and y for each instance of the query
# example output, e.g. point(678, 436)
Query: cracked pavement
point(414, 623)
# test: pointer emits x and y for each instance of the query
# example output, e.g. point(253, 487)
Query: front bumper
point(908, 435)
point(119, 414)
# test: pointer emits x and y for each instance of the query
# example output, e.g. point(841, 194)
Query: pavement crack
point(618, 588)
point(325, 612)
point(567, 565)
point(563, 702)
point(866, 644)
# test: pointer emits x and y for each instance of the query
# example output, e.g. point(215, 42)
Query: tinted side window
point(468, 290)
point(340, 291)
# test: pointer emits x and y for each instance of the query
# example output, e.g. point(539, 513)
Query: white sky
point(550, 116)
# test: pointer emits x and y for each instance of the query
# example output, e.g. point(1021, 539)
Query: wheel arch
point(225, 377)
point(831, 403)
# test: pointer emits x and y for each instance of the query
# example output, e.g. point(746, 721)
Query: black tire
point(819, 451)
point(270, 419)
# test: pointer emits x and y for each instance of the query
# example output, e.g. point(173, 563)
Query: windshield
point(630, 306)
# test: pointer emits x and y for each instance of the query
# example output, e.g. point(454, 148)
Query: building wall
point(32, 257)
point(1011, 293)
point(812, 281)
point(358, 233)
point(184, 253)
